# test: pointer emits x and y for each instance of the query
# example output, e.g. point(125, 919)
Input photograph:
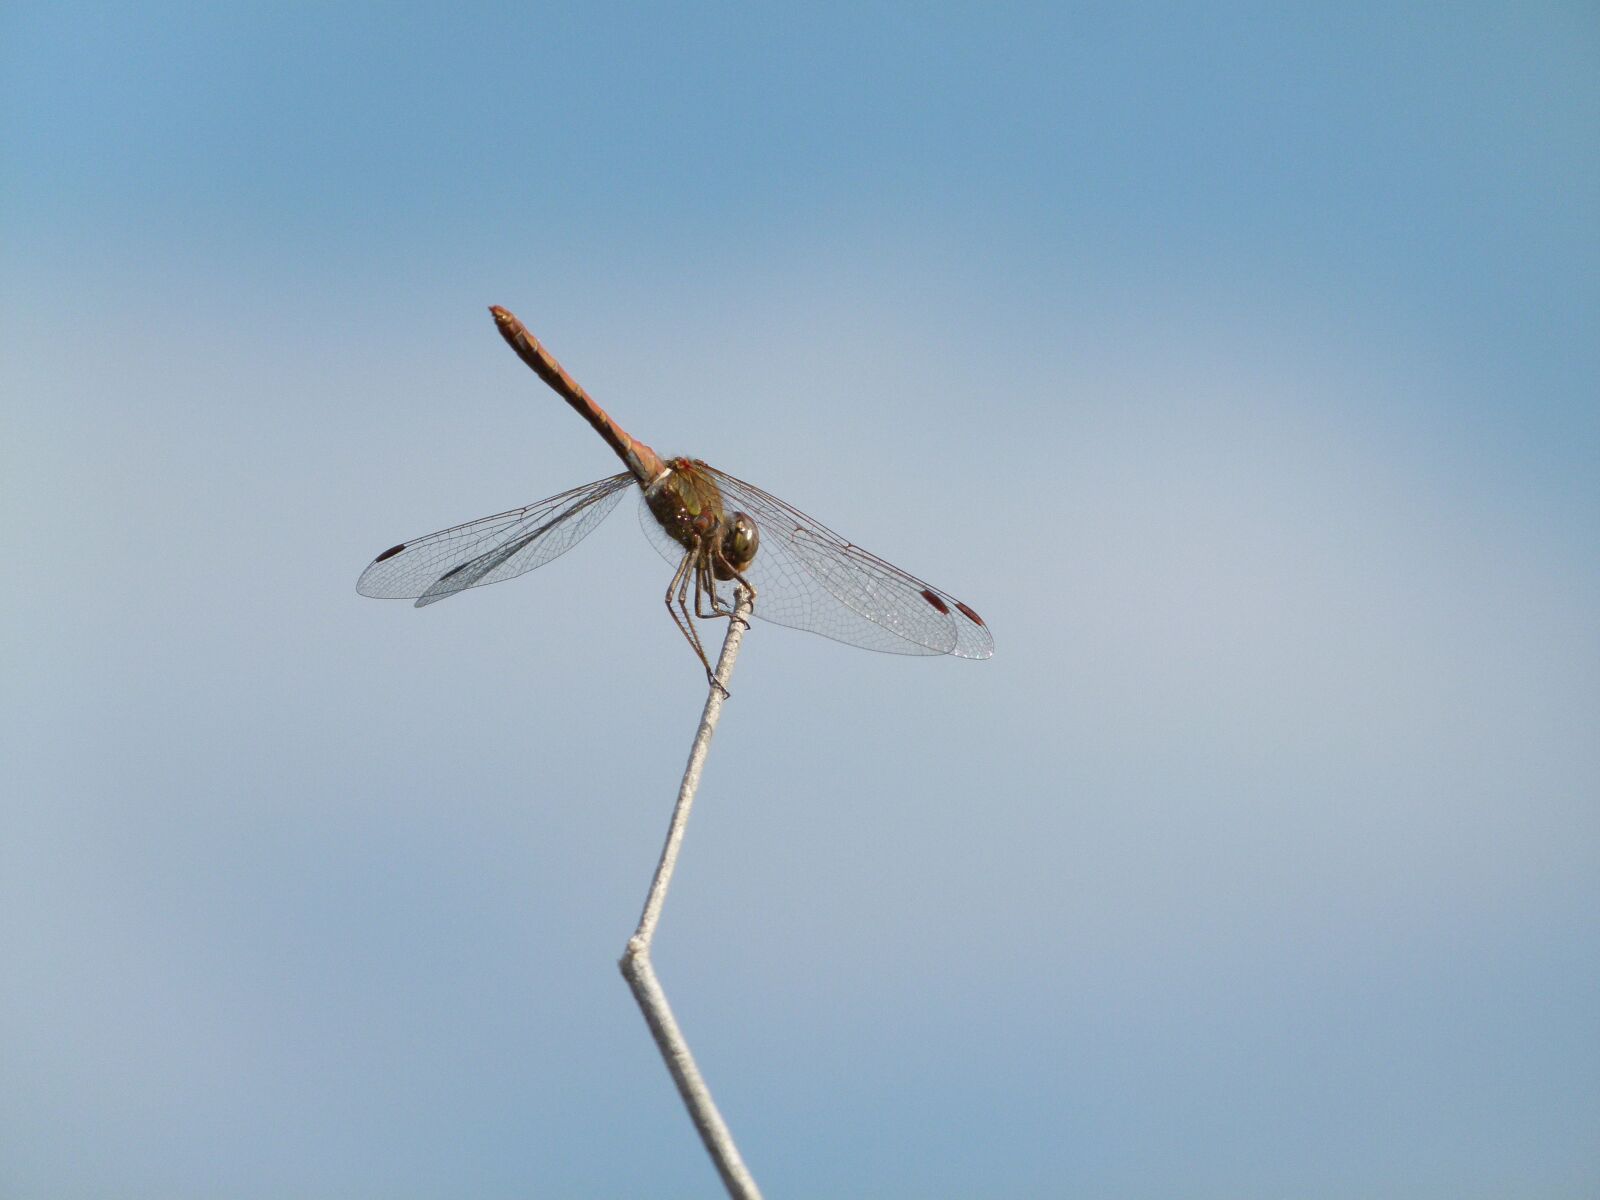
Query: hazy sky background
point(1240, 366)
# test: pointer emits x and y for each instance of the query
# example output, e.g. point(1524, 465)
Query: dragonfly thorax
point(688, 504)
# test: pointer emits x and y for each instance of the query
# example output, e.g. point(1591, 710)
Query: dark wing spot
point(390, 552)
point(934, 600)
point(969, 614)
point(467, 564)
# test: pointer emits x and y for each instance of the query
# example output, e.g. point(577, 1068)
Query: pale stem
point(635, 963)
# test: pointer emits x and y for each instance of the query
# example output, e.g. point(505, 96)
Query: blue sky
point(1238, 365)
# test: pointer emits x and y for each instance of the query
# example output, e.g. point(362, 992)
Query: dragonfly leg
point(678, 602)
point(690, 573)
point(704, 587)
point(706, 580)
point(673, 587)
point(706, 603)
point(738, 575)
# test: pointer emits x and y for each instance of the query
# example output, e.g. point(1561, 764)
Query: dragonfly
point(718, 532)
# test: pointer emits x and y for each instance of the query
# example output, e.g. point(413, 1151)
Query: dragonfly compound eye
point(740, 541)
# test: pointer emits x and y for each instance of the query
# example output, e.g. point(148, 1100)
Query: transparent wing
point(492, 548)
point(808, 577)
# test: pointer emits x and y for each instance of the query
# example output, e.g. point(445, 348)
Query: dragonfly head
point(740, 538)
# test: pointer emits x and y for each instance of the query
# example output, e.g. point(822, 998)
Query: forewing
point(808, 577)
point(491, 549)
